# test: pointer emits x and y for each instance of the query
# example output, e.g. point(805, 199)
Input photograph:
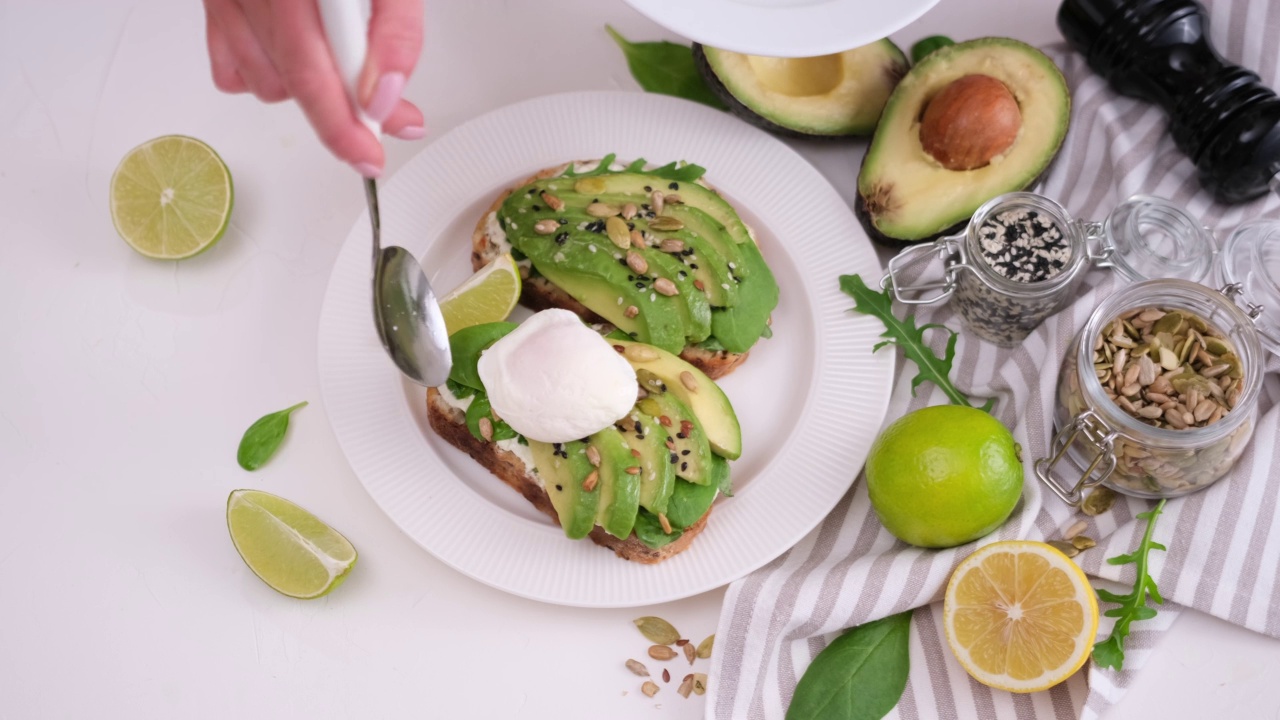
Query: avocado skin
point(740, 110)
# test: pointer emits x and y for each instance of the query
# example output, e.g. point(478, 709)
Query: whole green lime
point(944, 476)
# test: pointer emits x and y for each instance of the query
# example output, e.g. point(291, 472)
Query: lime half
point(487, 296)
point(292, 550)
point(171, 197)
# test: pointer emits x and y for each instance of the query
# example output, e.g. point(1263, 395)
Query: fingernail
point(385, 96)
point(368, 170)
point(412, 132)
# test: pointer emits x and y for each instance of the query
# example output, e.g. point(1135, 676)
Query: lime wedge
point(171, 197)
point(289, 548)
point(488, 296)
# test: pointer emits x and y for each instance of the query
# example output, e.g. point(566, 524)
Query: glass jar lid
point(1251, 260)
point(1152, 238)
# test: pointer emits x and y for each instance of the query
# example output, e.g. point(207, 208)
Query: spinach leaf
point(479, 408)
point(860, 676)
point(666, 68)
point(648, 530)
point(910, 338)
point(263, 438)
point(466, 345)
point(1109, 653)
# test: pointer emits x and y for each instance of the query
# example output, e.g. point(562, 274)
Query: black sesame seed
point(693, 265)
point(562, 238)
point(638, 428)
point(563, 221)
point(634, 335)
point(684, 466)
point(682, 274)
point(559, 487)
point(680, 435)
point(631, 226)
point(648, 188)
point(674, 186)
point(684, 452)
point(639, 286)
point(674, 459)
point(537, 208)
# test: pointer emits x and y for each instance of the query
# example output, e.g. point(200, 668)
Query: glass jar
point(1127, 455)
point(1142, 237)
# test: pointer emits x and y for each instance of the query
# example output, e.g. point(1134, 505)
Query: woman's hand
point(276, 49)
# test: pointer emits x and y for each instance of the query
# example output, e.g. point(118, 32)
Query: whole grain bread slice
point(541, 294)
point(450, 423)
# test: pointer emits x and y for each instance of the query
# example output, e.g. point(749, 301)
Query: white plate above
point(784, 28)
point(810, 400)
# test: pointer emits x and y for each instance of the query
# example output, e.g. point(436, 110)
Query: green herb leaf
point(910, 338)
point(479, 408)
point(860, 676)
point(666, 68)
point(675, 170)
point(928, 45)
point(263, 438)
point(1109, 653)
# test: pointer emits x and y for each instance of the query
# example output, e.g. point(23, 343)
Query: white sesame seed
point(592, 248)
point(653, 297)
point(619, 301)
point(558, 257)
point(724, 285)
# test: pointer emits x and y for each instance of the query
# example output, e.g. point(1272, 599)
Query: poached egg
point(553, 379)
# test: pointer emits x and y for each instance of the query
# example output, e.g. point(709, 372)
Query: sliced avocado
point(562, 467)
point(657, 463)
point(707, 401)
point(709, 232)
point(637, 187)
point(739, 327)
point(700, 262)
point(683, 435)
point(695, 307)
point(465, 347)
point(906, 194)
point(601, 280)
point(619, 489)
point(828, 95)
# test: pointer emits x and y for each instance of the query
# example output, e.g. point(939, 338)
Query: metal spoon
point(405, 311)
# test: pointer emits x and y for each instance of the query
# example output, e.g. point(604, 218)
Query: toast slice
point(450, 423)
point(538, 293)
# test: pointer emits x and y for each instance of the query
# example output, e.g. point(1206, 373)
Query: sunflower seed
point(552, 201)
point(601, 210)
point(1075, 530)
point(638, 668)
point(671, 245)
point(656, 201)
point(637, 240)
point(661, 652)
point(629, 211)
point(649, 688)
point(690, 652)
point(641, 353)
point(589, 483)
point(486, 429)
point(546, 227)
point(687, 380)
point(699, 683)
point(686, 686)
point(636, 262)
point(593, 455)
point(631, 311)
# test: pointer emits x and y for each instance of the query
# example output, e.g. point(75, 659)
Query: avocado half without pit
point(825, 96)
point(970, 122)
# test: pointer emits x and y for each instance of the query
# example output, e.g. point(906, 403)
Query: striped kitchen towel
point(1223, 544)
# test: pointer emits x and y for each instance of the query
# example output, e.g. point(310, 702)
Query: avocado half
point(825, 96)
point(905, 195)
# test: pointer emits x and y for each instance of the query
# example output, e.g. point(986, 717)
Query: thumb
point(395, 40)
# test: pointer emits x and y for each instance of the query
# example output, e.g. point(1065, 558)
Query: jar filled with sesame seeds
point(1022, 256)
point(1158, 395)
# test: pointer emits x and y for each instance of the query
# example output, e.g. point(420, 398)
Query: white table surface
point(125, 385)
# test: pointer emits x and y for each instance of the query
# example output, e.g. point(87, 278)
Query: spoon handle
point(346, 24)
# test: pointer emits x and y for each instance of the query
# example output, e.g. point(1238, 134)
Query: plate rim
point(774, 31)
point(331, 359)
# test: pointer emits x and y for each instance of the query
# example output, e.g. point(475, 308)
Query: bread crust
point(450, 424)
point(538, 293)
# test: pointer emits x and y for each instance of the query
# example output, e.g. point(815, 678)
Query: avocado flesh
point(644, 435)
point(632, 187)
point(708, 402)
point(829, 95)
point(695, 308)
point(562, 479)
point(904, 195)
point(690, 446)
point(619, 490)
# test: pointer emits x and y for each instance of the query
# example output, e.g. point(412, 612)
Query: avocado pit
point(969, 122)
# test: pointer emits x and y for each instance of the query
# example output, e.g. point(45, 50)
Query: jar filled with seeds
point(1158, 396)
point(1022, 256)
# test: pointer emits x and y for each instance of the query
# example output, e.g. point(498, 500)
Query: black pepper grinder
point(1221, 115)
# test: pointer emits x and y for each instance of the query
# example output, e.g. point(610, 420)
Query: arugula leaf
point(910, 338)
point(1109, 653)
point(666, 68)
point(860, 676)
point(263, 438)
point(676, 170)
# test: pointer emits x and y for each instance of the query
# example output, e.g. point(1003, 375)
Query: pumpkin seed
point(1063, 547)
point(704, 647)
point(589, 186)
point(1098, 501)
point(666, 223)
point(1083, 543)
point(655, 629)
point(618, 232)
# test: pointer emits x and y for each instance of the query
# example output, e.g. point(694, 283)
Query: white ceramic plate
point(810, 400)
point(784, 28)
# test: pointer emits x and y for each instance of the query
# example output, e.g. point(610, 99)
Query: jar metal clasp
point(1088, 429)
point(951, 251)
